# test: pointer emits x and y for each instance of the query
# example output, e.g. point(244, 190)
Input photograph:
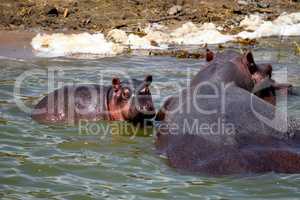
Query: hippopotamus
point(229, 67)
point(217, 126)
point(121, 101)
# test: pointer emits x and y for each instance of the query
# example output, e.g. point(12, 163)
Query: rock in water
point(263, 5)
point(174, 10)
point(243, 3)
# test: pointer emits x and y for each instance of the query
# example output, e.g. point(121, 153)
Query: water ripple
point(38, 161)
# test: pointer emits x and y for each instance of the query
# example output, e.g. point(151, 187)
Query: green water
point(38, 161)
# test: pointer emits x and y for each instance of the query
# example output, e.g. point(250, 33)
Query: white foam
point(131, 40)
point(137, 42)
point(159, 36)
point(190, 34)
point(288, 19)
point(155, 27)
point(185, 29)
point(187, 34)
point(251, 22)
point(118, 36)
point(284, 25)
point(59, 44)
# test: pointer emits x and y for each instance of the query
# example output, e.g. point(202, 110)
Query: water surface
point(38, 161)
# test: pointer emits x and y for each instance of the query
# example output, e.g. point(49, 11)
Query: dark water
point(38, 161)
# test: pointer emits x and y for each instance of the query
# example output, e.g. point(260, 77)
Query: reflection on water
point(38, 161)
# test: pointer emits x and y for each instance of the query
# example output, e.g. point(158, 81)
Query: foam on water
point(284, 25)
point(159, 37)
point(190, 34)
point(60, 44)
point(252, 22)
point(187, 34)
point(133, 41)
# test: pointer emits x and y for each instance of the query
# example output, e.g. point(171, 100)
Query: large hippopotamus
point(228, 67)
point(217, 126)
point(122, 101)
point(264, 86)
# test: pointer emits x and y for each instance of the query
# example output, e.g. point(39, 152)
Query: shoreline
point(132, 15)
point(156, 40)
point(22, 20)
point(17, 45)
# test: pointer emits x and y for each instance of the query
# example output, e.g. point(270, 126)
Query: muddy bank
point(131, 15)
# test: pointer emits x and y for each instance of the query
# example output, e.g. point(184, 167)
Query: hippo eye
point(145, 90)
point(126, 93)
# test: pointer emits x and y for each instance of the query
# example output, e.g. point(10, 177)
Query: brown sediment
point(246, 42)
point(180, 53)
point(130, 15)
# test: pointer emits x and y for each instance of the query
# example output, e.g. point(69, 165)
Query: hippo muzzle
point(142, 106)
point(134, 99)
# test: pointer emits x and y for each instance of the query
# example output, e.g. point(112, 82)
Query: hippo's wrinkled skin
point(218, 127)
point(120, 102)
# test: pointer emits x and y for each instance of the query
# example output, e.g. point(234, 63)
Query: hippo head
point(131, 100)
point(264, 71)
point(264, 86)
point(256, 78)
point(261, 77)
point(244, 67)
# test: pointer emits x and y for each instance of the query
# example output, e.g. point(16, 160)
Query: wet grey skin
point(244, 134)
point(70, 104)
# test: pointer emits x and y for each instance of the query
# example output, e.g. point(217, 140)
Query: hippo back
point(73, 103)
point(226, 140)
point(227, 67)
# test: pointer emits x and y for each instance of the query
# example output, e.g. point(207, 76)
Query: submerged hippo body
point(120, 102)
point(217, 126)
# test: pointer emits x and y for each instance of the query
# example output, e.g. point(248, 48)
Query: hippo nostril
point(146, 106)
point(149, 107)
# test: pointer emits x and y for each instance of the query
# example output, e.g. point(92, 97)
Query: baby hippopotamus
point(217, 126)
point(122, 101)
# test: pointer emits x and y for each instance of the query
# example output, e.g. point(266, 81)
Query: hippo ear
point(209, 55)
point(249, 61)
point(266, 69)
point(116, 84)
point(148, 80)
